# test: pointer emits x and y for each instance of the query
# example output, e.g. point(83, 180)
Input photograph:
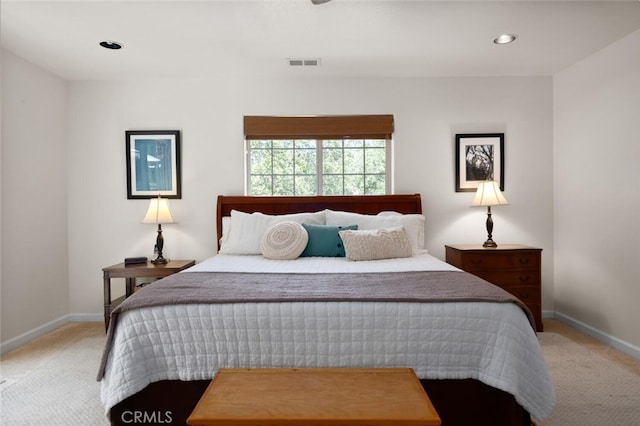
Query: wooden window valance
point(319, 127)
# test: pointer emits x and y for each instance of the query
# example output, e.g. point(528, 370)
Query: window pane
point(305, 143)
point(332, 161)
point(282, 161)
point(332, 143)
point(283, 185)
point(332, 185)
point(375, 185)
point(375, 160)
point(354, 185)
point(353, 161)
point(305, 161)
point(306, 185)
point(282, 144)
point(375, 143)
point(260, 185)
point(353, 143)
point(260, 144)
point(260, 161)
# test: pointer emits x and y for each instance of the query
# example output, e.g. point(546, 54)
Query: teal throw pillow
point(324, 240)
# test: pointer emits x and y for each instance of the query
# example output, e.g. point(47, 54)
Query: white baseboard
point(601, 336)
point(30, 335)
point(24, 338)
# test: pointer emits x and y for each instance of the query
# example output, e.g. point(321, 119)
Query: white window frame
point(319, 164)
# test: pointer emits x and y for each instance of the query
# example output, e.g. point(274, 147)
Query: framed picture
point(479, 157)
point(153, 163)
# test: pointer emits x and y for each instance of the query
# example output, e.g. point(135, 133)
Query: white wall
point(63, 174)
point(35, 288)
point(597, 190)
point(104, 226)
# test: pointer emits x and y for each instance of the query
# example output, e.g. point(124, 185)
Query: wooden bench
point(315, 396)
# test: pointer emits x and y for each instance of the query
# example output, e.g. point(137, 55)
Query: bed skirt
point(458, 403)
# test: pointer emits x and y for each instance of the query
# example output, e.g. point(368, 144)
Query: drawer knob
point(524, 278)
point(523, 260)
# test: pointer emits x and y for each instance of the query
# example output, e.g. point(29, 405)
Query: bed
point(471, 344)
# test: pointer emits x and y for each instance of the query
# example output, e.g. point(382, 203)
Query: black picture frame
point(479, 157)
point(153, 164)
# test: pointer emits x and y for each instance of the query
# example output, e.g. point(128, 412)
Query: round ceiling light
point(505, 38)
point(108, 44)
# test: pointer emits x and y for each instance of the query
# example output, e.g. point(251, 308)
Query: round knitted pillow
point(284, 241)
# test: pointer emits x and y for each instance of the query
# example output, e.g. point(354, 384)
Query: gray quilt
point(227, 287)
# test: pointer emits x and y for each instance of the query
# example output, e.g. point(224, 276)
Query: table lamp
point(159, 212)
point(489, 194)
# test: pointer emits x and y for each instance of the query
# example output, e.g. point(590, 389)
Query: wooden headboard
point(365, 204)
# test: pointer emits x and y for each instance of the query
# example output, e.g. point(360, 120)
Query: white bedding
point(318, 265)
point(491, 342)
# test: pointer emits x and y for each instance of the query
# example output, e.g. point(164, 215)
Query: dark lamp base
point(160, 260)
point(489, 243)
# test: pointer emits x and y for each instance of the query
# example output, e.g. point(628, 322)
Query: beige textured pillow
point(284, 241)
point(413, 224)
point(376, 244)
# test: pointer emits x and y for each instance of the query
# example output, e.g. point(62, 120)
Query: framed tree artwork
point(479, 157)
point(153, 164)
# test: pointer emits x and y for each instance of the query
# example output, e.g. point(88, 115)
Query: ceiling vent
point(304, 62)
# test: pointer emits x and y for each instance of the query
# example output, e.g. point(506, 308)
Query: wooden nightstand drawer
point(525, 284)
point(529, 295)
point(501, 260)
point(515, 268)
point(507, 279)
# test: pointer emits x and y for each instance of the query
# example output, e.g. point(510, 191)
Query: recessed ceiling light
point(108, 44)
point(505, 38)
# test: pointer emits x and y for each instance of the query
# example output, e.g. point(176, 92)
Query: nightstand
point(130, 273)
point(515, 268)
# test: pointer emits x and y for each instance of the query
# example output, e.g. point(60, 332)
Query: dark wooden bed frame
point(458, 402)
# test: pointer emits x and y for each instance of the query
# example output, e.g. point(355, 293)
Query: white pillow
point(246, 229)
point(226, 223)
point(412, 223)
point(376, 244)
point(284, 241)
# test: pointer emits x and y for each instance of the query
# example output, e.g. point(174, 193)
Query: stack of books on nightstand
point(134, 260)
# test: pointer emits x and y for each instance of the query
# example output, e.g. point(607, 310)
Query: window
point(345, 155)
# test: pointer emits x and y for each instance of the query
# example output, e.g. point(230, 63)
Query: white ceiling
point(351, 37)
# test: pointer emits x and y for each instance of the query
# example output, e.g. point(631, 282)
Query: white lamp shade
point(489, 194)
point(159, 211)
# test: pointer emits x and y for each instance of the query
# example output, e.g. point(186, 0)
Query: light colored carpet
point(591, 389)
point(51, 381)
